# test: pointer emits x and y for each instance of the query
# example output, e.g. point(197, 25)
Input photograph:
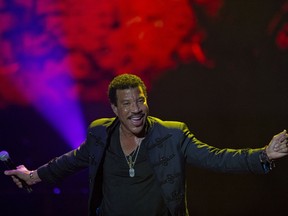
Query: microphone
point(4, 157)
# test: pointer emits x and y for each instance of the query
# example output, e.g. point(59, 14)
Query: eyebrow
point(139, 98)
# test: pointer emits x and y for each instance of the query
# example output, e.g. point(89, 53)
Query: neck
point(128, 134)
point(129, 141)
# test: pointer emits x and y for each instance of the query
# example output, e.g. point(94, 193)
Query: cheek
point(145, 108)
point(123, 112)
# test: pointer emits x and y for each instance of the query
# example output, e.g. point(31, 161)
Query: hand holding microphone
point(22, 177)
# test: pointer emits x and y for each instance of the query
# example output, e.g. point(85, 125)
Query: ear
point(115, 109)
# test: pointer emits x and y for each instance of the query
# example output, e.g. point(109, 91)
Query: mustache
point(138, 115)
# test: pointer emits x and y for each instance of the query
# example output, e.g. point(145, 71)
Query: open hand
point(278, 146)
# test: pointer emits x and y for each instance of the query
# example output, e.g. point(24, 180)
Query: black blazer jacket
point(170, 146)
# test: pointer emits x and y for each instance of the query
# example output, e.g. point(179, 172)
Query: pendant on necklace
point(131, 172)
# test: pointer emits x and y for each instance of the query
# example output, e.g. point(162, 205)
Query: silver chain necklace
point(129, 158)
point(131, 162)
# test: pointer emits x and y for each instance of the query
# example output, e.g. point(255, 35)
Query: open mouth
point(137, 120)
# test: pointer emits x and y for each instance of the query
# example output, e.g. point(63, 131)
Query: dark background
point(241, 102)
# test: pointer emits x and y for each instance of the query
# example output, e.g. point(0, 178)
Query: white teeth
point(136, 118)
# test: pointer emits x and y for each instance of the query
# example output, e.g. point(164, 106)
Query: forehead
point(130, 93)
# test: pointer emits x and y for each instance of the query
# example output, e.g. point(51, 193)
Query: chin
point(138, 130)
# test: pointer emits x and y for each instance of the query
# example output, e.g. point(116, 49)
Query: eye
point(126, 103)
point(141, 100)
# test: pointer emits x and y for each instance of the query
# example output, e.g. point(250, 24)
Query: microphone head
point(4, 156)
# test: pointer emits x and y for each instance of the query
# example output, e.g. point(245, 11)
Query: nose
point(135, 107)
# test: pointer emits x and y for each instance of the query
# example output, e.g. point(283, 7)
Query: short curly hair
point(124, 81)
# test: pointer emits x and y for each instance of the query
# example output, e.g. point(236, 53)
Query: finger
point(9, 172)
point(282, 135)
point(283, 147)
point(278, 139)
point(281, 144)
point(282, 139)
point(17, 182)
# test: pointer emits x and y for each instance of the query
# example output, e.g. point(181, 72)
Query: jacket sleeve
point(67, 164)
point(227, 160)
point(88, 154)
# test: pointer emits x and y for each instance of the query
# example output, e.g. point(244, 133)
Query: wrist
point(267, 163)
point(33, 177)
